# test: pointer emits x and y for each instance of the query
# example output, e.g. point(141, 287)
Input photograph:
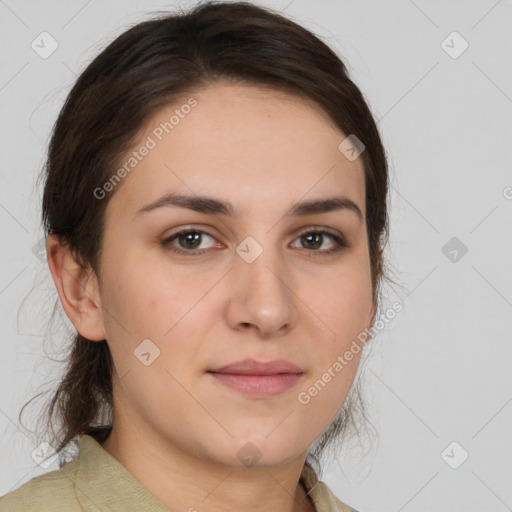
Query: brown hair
point(148, 67)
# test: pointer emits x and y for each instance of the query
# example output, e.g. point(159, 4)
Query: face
point(261, 282)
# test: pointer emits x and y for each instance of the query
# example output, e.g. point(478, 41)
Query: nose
point(261, 295)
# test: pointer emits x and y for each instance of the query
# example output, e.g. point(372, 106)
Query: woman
point(215, 205)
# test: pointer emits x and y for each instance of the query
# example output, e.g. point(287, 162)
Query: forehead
point(243, 143)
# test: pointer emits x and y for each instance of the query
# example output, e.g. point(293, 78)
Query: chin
point(263, 450)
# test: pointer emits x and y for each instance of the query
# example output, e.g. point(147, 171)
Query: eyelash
point(339, 241)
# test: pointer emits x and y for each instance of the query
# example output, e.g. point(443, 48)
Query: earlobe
point(77, 288)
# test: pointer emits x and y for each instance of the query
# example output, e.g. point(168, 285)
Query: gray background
point(440, 371)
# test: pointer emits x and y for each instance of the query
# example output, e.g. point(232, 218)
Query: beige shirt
point(95, 481)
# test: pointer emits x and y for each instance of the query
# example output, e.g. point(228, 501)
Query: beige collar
point(119, 491)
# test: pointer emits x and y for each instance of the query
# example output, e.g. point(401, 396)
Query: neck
point(182, 481)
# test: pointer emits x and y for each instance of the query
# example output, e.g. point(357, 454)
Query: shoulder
point(328, 500)
point(51, 492)
point(323, 499)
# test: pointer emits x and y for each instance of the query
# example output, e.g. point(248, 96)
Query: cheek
point(149, 301)
point(344, 301)
point(149, 297)
point(346, 305)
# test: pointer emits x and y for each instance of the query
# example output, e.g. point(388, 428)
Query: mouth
point(259, 379)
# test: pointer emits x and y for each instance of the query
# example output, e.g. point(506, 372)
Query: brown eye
point(188, 242)
point(315, 239)
point(312, 240)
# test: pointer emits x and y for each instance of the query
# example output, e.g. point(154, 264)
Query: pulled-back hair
point(151, 66)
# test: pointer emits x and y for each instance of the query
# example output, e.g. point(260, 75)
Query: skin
point(176, 428)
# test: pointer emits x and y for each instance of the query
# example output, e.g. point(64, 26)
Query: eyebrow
point(212, 206)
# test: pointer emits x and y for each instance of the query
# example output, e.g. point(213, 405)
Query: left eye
point(312, 240)
point(191, 239)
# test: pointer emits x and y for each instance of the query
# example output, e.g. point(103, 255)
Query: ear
point(78, 290)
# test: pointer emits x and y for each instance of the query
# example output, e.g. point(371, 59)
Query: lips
point(258, 379)
point(253, 367)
